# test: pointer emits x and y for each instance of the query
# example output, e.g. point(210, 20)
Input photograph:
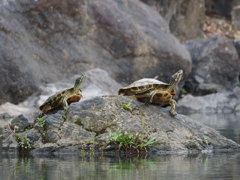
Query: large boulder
point(221, 8)
point(225, 103)
point(90, 123)
point(45, 41)
point(185, 17)
point(216, 66)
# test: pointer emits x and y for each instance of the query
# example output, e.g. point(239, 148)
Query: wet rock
point(52, 40)
point(47, 148)
point(216, 66)
point(19, 123)
point(185, 17)
point(9, 141)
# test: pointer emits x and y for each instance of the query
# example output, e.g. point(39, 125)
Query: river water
point(173, 167)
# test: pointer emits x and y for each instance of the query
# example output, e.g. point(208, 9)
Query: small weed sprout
point(184, 91)
point(41, 122)
point(24, 141)
point(205, 140)
point(90, 128)
point(127, 106)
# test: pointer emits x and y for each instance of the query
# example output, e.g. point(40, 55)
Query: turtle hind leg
point(173, 104)
point(149, 97)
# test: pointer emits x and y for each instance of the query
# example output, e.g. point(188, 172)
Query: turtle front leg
point(65, 104)
point(149, 97)
point(173, 104)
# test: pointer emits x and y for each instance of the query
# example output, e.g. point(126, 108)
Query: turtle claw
point(174, 113)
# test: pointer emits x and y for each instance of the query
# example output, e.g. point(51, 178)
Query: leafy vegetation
point(184, 91)
point(205, 140)
point(127, 106)
point(129, 140)
point(41, 122)
point(24, 141)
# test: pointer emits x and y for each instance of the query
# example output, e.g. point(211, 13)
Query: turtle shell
point(141, 88)
point(56, 100)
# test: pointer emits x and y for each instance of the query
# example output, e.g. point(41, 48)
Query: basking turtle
point(73, 94)
point(153, 91)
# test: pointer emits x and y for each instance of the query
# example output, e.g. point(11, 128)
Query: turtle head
point(176, 78)
point(79, 81)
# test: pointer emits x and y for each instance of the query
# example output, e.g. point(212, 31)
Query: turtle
point(153, 91)
point(73, 94)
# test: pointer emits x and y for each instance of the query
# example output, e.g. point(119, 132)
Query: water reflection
point(175, 167)
point(227, 124)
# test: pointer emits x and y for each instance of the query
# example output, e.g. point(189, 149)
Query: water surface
point(172, 167)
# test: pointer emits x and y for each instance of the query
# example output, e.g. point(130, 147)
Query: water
point(173, 167)
point(227, 124)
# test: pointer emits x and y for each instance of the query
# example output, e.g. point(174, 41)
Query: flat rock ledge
point(88, 124)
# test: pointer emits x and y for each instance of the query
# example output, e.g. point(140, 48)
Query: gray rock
point(55, 121)
point(185, 17)
point(93, 120)
point(4, 116)
point(53, 40)
point(212, 103)
point(52, 136)
point(47, 148)
point(216, 66)
point(173, 133)
point(221, 8)
point(236, 17)
point(237, 46)
point(19, 123)
point(34, 137)
point(75, 133)
point(9, 141)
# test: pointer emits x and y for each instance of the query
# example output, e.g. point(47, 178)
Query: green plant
point(151, 141)
point(129, 140)
point(24, 141)
point(44, 133)
point(91, 152)
point(41, 122)
point(205, 140)
point(127, 106)
point(64, 117)
point(184, 91)
point(89, 128)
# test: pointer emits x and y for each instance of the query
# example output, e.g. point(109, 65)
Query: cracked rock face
point(91, 121)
